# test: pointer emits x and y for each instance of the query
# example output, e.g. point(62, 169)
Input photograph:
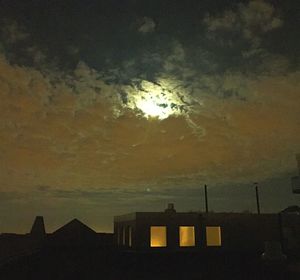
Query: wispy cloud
point(147, 25)
point(251, 20)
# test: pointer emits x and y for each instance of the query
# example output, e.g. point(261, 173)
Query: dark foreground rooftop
point(75, 251)
point(110, 264)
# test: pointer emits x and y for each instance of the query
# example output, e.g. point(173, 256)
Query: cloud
point(260, 16)
point(96, 207)
point(12, 32)
point(73, 141)
point(83, 128)
point(147, 26)
point(251, 20)
point(239, 37)
point(75, 130)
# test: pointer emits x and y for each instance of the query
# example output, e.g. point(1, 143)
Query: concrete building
point(170, 230)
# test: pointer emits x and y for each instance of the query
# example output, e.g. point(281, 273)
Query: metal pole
point(206, 200)
point(257, 198)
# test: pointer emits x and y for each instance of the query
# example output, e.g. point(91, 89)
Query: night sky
point(109, 107)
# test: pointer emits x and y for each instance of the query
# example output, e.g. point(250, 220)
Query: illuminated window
point(158, 236)
point(129, 236)
point(186, 236)
point(213, 236)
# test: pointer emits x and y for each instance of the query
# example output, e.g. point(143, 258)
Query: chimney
point(38, 228)
point(170, 208)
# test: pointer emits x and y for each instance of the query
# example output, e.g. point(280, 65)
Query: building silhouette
point(74, 233)
point(38, 228)
point(296, 179)
point(168, 231)
point(196, 231)
point(159, 245)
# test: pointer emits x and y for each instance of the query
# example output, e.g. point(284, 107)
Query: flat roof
point(133, 216)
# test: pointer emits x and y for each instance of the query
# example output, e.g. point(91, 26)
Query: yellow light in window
point(158, 236)
point(213, 236)
point(187, 236)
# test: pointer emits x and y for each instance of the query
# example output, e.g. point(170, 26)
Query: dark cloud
point(147, 25)
point(97, 207)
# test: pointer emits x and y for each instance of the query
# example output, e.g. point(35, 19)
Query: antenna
point(206, 200)
point(257, 198)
